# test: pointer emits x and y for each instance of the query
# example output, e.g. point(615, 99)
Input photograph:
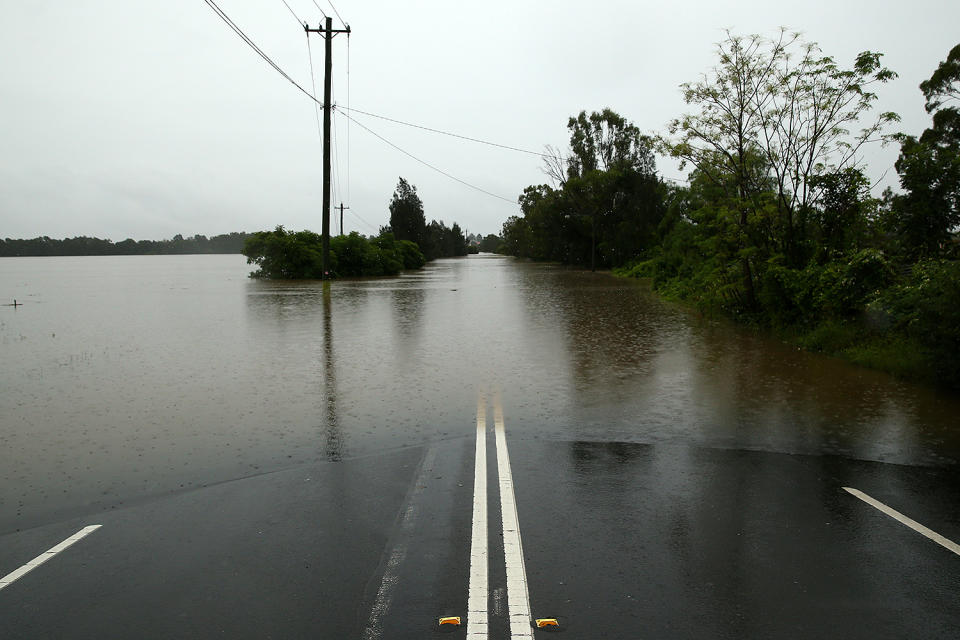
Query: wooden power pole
point(328, 33)
point(341, 217)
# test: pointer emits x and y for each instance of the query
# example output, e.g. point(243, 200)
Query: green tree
point(490, 243)
point(407, 221)
point(925, 217)
point(769, 121)
point(606, 203)
point(843, 219)
point(517, 237)
point(282, 254)
point(605, 140)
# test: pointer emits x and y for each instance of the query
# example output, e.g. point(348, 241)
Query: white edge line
point(391, 574)
point(16, 574)
point(518, 592)
point(477, 594)
point(913, 524)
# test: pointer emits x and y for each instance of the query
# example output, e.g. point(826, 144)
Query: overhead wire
point(295, 16)
point(337, 13)
point(313, 84)
point(425, 163)
point(319, 9)
point(448, 133)
point(335, 133)
point(243, 36)
point(367, 224)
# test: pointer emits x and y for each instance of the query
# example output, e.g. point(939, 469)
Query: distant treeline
point(84, 246)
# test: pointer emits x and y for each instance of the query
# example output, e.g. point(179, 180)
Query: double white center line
point(518, 595)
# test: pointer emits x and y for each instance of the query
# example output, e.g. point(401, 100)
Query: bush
point(282, 254)
point(926, 309)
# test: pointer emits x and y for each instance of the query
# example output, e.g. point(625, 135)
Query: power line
point(319, 9)
point(236, 29)
point(447, 133)
point(338, 14)
point(295, 16)
point(233, 26)
point(336, 161)
point(313, 84)
point(427, 164)
point(368, 225)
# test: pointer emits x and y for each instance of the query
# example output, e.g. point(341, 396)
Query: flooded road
point(686, 457)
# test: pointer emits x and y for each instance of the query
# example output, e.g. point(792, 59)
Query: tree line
point(84, 246)
point(408, 242)
point(777, 226)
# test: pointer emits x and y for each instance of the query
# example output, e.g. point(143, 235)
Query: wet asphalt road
point(620, 541)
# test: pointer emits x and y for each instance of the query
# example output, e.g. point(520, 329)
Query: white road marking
point(477, 595)
point(13, 576)
point(913, 524)
point(381, 605)
point(518, 595)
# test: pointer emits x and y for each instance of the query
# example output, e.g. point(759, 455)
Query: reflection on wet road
point(279, 444)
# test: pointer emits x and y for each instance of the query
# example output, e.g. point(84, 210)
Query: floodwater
point(129, 377)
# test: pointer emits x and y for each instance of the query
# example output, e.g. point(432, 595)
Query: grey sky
point(146, 119)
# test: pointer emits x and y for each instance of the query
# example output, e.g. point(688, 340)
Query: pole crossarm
point(324, 32)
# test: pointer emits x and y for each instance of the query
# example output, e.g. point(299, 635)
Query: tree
point(490, 243)
point(282, 254)
point(768, 117)
point(842, 221)
point(605, 140)
point(605, 202)
point(517, 237)
point(929, 168)
point(407, 221)
point(944, 85)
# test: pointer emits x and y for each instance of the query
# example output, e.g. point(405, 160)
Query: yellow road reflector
point(455, 620)
point(547, 622)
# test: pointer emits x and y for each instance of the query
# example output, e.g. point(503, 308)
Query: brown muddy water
point(127, 377)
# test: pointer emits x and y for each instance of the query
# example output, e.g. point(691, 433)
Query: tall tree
point(768, 116)
point(406, 213)
point(605, 140)
point(929, 168)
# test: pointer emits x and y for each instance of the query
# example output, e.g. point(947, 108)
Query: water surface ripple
point(125, 377)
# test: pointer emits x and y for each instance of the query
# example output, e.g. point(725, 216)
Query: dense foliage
point(777, 226)
point(282, 254)
point(408, 222)
point(407, 243)
point(605, 204)
point(84, 246)
point(489, 244)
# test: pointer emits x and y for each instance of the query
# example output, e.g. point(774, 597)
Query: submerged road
point(612, 540)
point(638, 497)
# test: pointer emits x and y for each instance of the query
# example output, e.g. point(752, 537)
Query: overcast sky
point(147, 119)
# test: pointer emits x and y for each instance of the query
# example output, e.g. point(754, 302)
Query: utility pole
point(593, 242)
point(341, 217)
point(328, 33)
